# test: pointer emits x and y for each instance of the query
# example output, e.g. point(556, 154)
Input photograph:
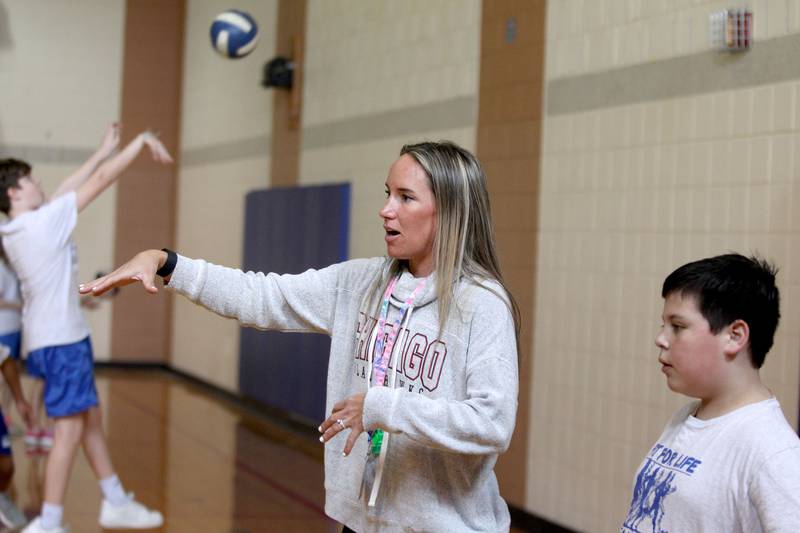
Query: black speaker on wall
point(278, 72)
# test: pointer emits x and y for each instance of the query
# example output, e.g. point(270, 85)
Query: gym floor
point(209, 464)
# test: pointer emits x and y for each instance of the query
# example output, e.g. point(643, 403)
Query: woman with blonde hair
point(423, 378)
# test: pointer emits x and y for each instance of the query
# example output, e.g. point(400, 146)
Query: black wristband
point(169, 265)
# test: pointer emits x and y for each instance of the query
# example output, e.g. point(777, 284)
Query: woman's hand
point(346, 414)
point(157, 148)
point(142, 267)
point(110, 140)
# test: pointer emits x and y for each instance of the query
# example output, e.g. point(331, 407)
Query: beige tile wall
point(226, 123)
point(628, 194)
point(60, 89)
point(367, 58)
point(595, 35)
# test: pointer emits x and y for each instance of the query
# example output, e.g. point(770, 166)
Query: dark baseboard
point(531, 523)
point(520, 519)
point(133, 365)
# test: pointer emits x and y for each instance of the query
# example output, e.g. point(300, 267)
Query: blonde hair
point(464, 242)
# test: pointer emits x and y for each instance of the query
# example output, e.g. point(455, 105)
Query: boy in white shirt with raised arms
point(728, 461)
point(38, 243)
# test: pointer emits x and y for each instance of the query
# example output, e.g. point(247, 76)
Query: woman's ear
point(738, 333)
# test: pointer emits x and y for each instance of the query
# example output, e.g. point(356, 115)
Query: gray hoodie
point(452, 409)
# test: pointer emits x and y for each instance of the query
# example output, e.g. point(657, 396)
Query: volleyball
point(234, 33)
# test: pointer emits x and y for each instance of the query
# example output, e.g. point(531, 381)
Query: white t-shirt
point(739, 472)
point(40, 249)
point(10, 319)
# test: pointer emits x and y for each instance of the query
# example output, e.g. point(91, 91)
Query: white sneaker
point(10, 515)
point(130, 515)
point(46, 439)
point(32, 439)
point(36, 527)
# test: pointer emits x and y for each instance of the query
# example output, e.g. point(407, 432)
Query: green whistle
point(377, 439)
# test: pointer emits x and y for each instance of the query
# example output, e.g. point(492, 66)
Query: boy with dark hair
point(728, 461)
point(55, 336)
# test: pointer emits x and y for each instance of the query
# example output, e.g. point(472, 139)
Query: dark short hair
point(733, 287)
point(11, 171)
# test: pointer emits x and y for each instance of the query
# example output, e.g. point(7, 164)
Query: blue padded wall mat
point(289, 230)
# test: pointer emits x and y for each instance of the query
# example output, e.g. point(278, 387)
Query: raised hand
point(110, 139)
point(111, 169)
point(157, 148)
point(142, 268)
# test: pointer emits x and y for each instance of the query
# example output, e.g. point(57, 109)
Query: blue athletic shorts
point(68, 377)
point(12, 340)
point(33, 367)
point(5, 440)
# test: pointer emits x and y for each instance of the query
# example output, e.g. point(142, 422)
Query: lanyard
point(385, 345)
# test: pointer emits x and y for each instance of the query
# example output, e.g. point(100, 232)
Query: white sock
point(51, 515)
point(113, 491)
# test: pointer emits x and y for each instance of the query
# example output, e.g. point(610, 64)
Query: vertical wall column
point(287, 105)
point(146, 194)
point(509, 130)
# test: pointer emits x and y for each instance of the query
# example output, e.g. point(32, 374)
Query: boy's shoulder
point(60, 210)
point(760, 429)
point(766, 429)
point(67, 202)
